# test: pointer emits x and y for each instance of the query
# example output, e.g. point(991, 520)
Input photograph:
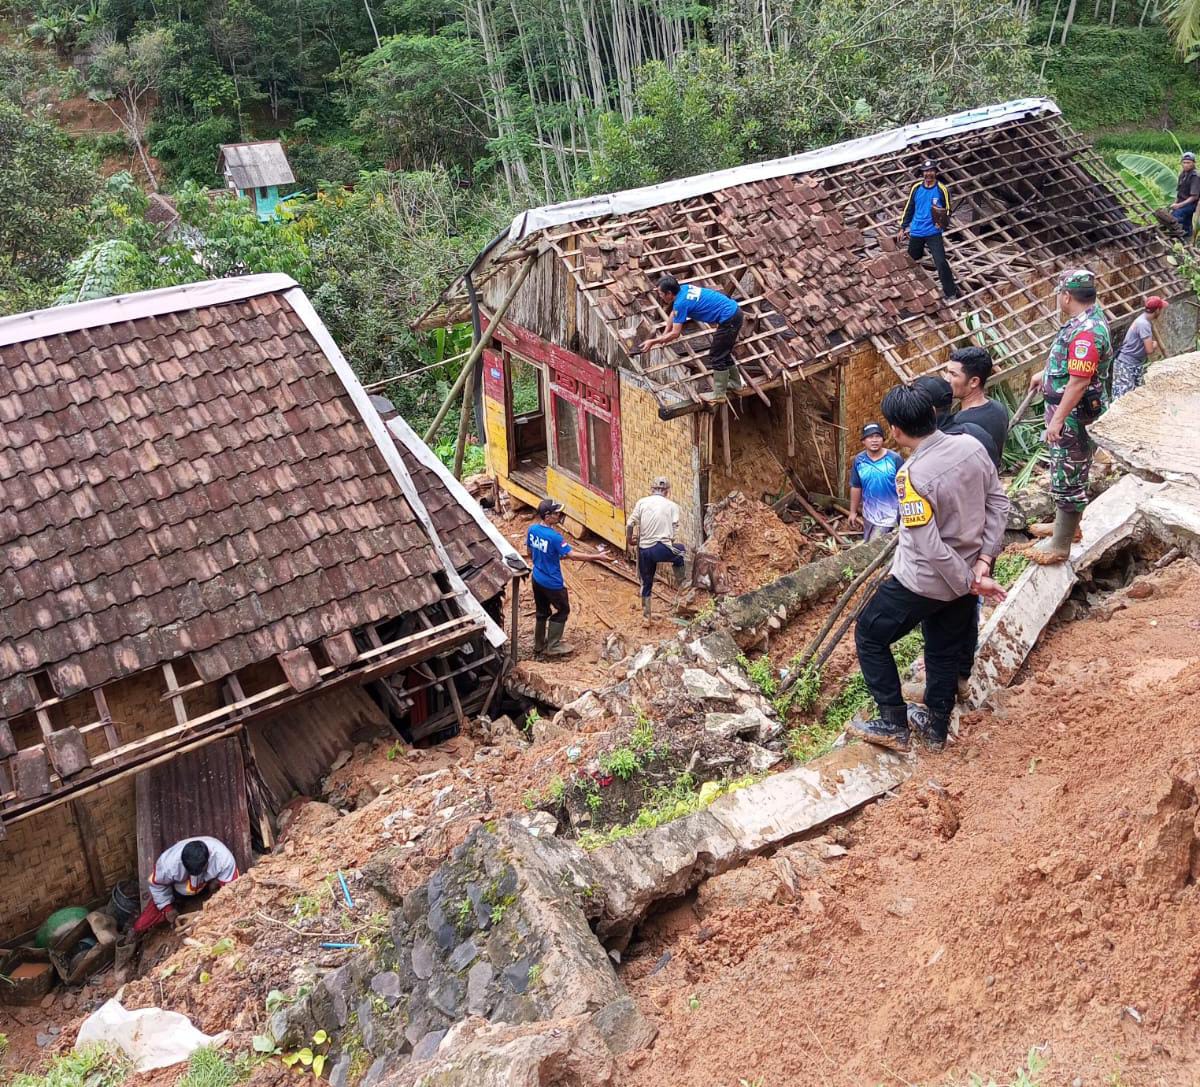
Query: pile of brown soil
point(754, 546)
point(1033, 886)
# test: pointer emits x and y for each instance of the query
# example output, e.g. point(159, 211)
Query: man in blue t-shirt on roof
point(926, 215)
point(688, 302)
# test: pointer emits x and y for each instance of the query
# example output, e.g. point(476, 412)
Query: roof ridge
point(861, 147)
point(58, 320)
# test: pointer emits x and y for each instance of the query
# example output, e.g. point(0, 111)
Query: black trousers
point(720, 351)
point(890, 614)
point(552, 604)
point(966, 659)
point(937, 250)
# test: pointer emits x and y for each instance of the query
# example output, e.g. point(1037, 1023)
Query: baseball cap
point(1190, 156)
point(548, 505)
point(928, 164)
point(1154, 303)
point(661, 483)
point(871, 428)
point(1077, 279)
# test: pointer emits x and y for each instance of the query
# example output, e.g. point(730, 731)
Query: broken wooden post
point(477, 350)
point(8, 745)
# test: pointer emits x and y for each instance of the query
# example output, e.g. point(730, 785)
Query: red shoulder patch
point(1082, 355)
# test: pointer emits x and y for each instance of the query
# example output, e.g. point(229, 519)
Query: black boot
point(888, 729)
point(539, 637)
point(929, 728)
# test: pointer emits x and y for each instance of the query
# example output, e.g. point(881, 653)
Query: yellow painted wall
point(587, 507)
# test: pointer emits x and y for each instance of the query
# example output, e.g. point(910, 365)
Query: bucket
point(59, 923)
point(125, 903)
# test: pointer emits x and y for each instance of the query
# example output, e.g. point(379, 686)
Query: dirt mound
point(1034, 886)
point(753, 545)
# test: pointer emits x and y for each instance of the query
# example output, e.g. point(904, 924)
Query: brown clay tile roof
point(200, 482)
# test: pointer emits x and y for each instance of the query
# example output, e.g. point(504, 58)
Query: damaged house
point(220, 568)
point(835, 312)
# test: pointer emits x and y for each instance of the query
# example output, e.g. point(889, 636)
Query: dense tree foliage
point(415, 127)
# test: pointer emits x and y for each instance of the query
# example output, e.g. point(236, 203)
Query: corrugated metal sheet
point(295, 748)
point(201, 792)
point(255, 165)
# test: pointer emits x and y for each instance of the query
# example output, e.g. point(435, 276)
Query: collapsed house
point(220, 569)
point(835, 312)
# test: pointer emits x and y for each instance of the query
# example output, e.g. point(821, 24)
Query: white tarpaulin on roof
point(865, 147)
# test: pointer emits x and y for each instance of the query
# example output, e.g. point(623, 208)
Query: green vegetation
point(761, 673)
point(1008, 568)
point(621, 762)
point(809, 740)
point(93, 1066)
point(1026, 1076)
point(311, 1057)
point(207, 1067)
point(664, 805)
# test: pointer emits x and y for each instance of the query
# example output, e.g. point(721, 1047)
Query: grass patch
point(761, 673)
point(666, 804)
point(208, 1068)
point(815, 738)
point(93, 1066)
point(1008, 568)
point(1026, 1076)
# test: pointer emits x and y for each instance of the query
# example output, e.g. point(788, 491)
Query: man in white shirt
point(188, 868)
point(654, 522)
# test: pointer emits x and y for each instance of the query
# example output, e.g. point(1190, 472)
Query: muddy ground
point(1030, 887)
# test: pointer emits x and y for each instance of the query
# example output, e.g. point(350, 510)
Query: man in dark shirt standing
point(926, 215)
point(1187, 193)
point(968, 372)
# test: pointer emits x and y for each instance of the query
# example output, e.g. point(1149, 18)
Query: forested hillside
point(415, 129)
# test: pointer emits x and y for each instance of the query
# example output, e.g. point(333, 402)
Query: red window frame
point(590, 389)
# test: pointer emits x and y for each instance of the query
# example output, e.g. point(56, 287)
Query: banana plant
point(1152, 179)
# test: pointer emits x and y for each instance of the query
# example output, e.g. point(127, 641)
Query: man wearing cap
point(873, 501)
point(1073, 384)
point(926, 215)
point(690, 302)
point(654, 523)
point(1187, 193)
point(1129, 369)
point(546, 548)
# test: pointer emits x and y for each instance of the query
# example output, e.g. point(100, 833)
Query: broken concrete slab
point(1173, 514)
point(750, 722)
point(670, 860)
point(1152, 430)
point(1014, 627)
point(706, 687)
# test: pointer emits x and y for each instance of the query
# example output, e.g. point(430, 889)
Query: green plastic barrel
point(59, 922)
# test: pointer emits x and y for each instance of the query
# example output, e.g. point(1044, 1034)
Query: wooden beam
point(106, 721)
point(177, 704)
point(111, 764)
point(87, 845)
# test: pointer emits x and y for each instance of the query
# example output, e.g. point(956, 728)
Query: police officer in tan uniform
point(952, 516)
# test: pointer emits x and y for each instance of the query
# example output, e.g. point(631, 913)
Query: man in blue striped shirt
point(926, 215)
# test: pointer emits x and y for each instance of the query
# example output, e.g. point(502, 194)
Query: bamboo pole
point(477, 350)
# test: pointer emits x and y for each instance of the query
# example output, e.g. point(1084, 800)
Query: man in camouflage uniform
point(1073, 384)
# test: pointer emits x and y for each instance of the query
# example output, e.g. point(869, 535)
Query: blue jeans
point(1183, 216)
point(650, 557)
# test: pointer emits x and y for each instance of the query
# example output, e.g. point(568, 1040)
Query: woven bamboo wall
point(653, 447)
point(42, 861)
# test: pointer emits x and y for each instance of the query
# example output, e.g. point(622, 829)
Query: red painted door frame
point(590, 388)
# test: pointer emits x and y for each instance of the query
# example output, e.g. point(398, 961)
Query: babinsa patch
point(915, 509)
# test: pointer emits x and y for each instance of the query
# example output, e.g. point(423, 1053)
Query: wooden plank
point(87, 845)
point(8, 745)
point(177, 704)
point(106, 721)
